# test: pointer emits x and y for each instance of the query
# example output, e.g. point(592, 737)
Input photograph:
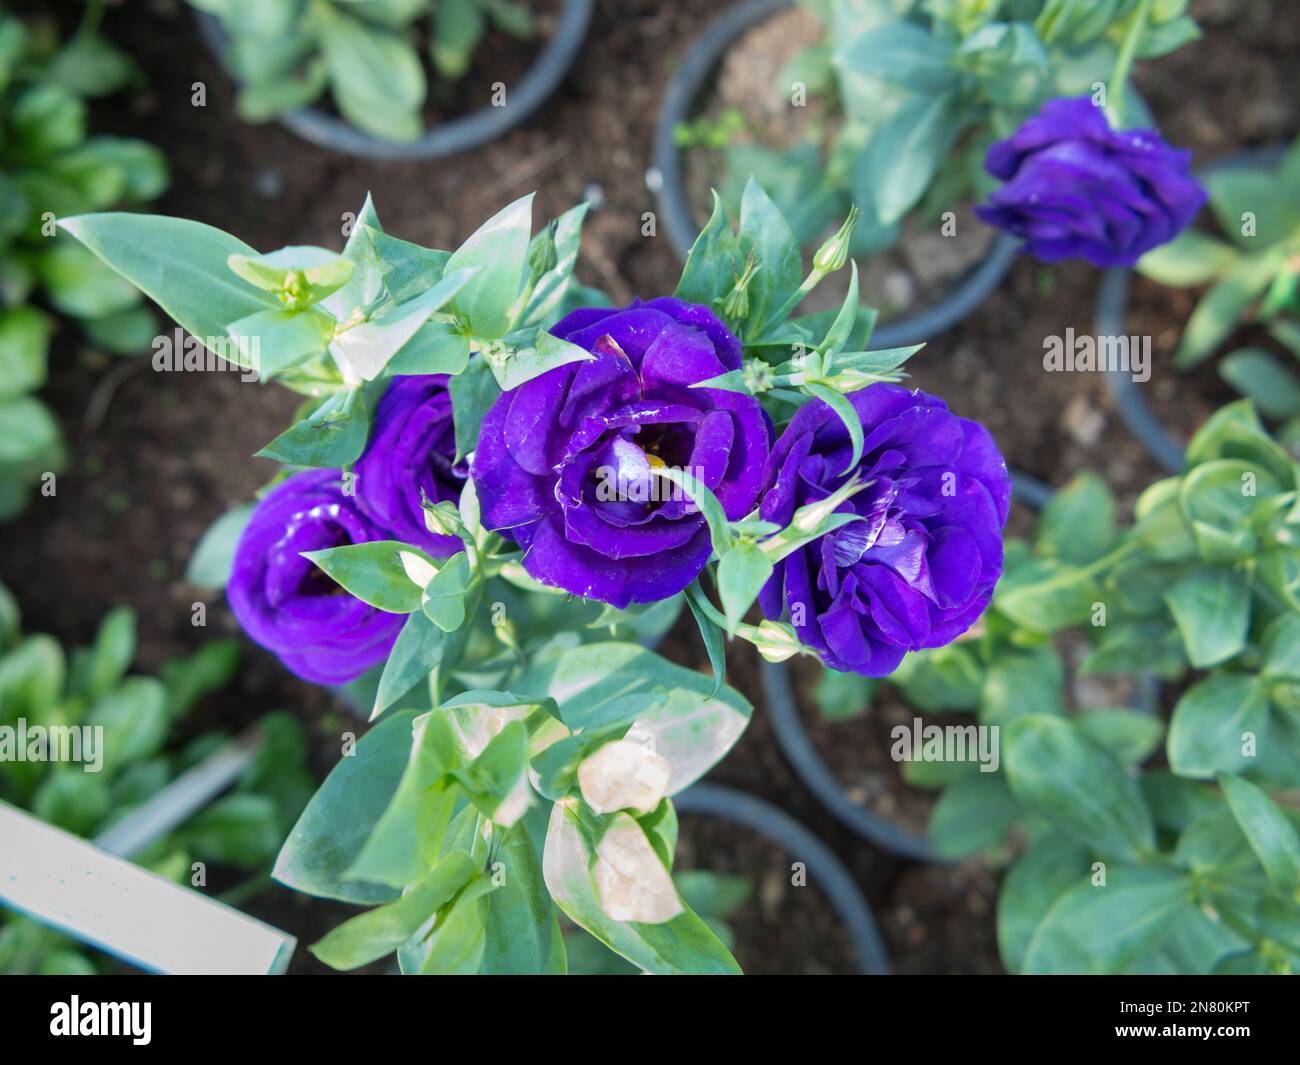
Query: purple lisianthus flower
point(1075, 188)
point(564, 462)
point(286, 603)
point(411, 453)
point(919, 567)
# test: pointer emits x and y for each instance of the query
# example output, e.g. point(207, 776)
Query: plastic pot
point(1112, 302)
point(460, 134)
point(685, 88)
point(802, 755)
point(826, 871)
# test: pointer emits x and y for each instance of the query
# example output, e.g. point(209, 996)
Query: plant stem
point(1124, 63)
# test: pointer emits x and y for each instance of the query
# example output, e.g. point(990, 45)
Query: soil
point(783, 928)
point(160, 456)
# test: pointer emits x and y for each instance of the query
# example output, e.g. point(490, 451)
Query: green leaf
point(369, 347)
point(905, 152)
point(1063, 776)
point(180, 265)
point(417, 652)
point(1078, 523)
point(272, 342)
point(410, 833)
point(903, 53)
point(1049, 868)
point(703, 498)
point(515, 366)
point(375, 73)
point(329, 835)
point(682, 945)
point(303, 272)
point(1191, 258)
point(443, 598)
point(1271, 835)
point(523, 935)
point(378, 932)
point(714, 261)
point(547, 300)
point(498, 252)
point(594, 684)
point(1046, 594)
point(1130, 736)
point(841, 696)
point(214, 555)
point(1022, 683)
point(387, 574)
point(711, 634)
point(472, 395)
point(24, 341)
point(1260, 377)
point(80, 285)
point(1212, 609)
point(111, 656)
point(847, 414)
point(239, 829)
point(743, 571)
point(973, 814)
point(766, 235)
point(1208, 726)
point(1222, 308)
point(334, 434)
point(1103, 929)
point(134, 719)
point(458, 27)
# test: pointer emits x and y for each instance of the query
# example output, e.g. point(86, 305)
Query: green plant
point(916, 92)
point(288, 53)
point(1141, 856)
point(50, 167)
point(134, 718)
point(1252, 279)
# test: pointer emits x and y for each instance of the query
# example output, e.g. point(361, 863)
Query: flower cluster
point(568, 467)
point(1076, 188)
point(282, 600)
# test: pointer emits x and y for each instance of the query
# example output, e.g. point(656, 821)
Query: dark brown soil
point(785, 927)
point(162, 455)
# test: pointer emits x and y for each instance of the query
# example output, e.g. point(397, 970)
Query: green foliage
point(912, 95)
point(1250, 268)
point(371, 58)
point(1130, 868)
point(476, 824)
point(134, 757)
point(50, 166)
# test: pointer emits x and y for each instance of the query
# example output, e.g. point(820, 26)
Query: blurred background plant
point(1196, 836)
point(367, 54)
point(51, 166)
point(907, 97)
point(1253, 279)
point(142, 720)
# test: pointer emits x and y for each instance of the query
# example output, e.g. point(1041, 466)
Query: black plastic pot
point(825, 871)
point(690, 79)
point(799, 751)
point(1112, 302)
point(459, 135)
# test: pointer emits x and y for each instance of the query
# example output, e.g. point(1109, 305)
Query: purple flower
point(411, 451)
point(920, 565)
point(288, 605)
point(564, 462)
point(1075, 188)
